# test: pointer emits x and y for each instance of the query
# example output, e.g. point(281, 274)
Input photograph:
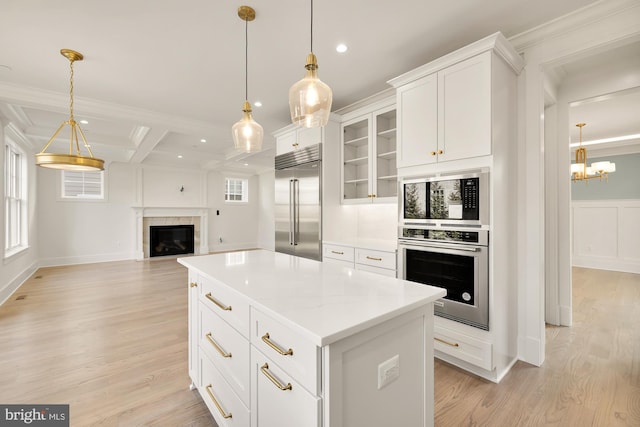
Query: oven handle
point(456, 247)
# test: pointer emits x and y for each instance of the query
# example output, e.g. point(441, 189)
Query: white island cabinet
point(281, 340)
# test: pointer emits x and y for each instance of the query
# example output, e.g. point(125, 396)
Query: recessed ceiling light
point(84, 122)
point(179, 156)
point(203, 140)
point(257, 104)
point(341, 48)
point(246, 164)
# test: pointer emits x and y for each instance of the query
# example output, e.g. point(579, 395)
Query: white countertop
point(325, 302)
point(372, 244)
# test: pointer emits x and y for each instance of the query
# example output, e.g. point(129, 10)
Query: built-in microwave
point(446, 200)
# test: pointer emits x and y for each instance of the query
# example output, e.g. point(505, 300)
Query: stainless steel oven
point(456, 259)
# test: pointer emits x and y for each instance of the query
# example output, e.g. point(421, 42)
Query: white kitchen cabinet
point(465, 105)
point(310, 362)
point(446, 115)
point(369, 173)
point(364, 254)
point(296, 138)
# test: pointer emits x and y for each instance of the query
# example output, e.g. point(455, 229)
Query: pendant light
point(72, 161)
point(247, 133)
point(310, 98)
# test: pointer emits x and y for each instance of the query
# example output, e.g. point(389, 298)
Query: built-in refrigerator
point(298, 202)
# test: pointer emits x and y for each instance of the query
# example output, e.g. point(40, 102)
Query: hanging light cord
point(246, 60)
point(311, 26)
point(71, 91)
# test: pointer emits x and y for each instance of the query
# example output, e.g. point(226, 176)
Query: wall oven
point(456, 259)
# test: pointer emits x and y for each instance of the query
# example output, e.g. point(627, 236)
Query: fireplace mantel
point(168, 212)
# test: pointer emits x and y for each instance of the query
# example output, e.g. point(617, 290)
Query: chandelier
point(74, 161)
point(581, 172)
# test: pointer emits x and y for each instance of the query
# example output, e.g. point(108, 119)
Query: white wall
point(605, 234)
point(16, 269)
point(266, 218)
point(75, 232)
point(237, 224)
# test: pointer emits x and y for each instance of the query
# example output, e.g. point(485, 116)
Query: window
point(15, 196)
point(83, 185)
point(236, 190)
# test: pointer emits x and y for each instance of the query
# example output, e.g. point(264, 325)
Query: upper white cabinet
point(369, 172)
point(295, 138)
point(450, 109)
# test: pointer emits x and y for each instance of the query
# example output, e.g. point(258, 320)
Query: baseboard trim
point(14, 285)
point(611, 264)
point(73, 260)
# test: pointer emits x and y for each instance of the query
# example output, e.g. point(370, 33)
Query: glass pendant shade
point(247, 133)
point(310, 98)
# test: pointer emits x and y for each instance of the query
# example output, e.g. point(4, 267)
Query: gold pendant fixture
point(581, 172)
point(247, 133)
point(73, 160)
point(310, 98)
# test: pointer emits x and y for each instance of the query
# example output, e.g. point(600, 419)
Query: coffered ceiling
point(158, 77)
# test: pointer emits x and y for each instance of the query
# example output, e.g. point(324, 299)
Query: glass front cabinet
point(369, 173)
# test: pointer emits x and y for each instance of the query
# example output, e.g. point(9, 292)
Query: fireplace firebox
point(171, 240)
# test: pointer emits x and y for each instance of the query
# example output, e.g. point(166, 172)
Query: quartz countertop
point(325, 302)
point(371, 244)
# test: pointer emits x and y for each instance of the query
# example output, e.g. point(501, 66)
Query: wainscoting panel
point(606, 234)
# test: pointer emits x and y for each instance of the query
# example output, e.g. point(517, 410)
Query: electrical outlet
point(388, 371)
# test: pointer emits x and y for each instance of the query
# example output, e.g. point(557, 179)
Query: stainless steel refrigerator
point(298, 202)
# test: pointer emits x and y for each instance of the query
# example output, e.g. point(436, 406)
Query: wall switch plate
point(388, 371)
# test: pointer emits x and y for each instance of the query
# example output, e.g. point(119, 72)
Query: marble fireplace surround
point(148, 216)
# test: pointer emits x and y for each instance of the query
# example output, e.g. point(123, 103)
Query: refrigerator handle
point(296, 212)
point(291, 213)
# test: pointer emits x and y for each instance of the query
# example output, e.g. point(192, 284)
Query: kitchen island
point(280, 340)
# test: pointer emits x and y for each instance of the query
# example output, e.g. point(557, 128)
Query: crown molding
point(496, 42)
point(582, 17)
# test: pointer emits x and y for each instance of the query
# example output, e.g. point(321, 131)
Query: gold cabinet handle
point(433, 153)
point(337, 253)
point(452, 344)
point(374, 259)
point(216, 346)
point(373, 195)
point(265, 370)
point(193, 284)
point(440, 151)
point(295, 144)
point(218, 303)
point(266, 339)
point(215, 402)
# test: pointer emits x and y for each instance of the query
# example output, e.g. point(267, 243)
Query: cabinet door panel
point(292, 407)
point(418, 122)
point(309, 136)
point(464, 92)
point(286, 143)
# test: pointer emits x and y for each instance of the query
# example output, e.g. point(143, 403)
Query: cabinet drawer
point(229, 350)
point(377, 270)
point(463, 347)
point(287, 348)
point(230, 306)
point(279, 399)
point(220, 398)
point(376, 258)
point(344, 253)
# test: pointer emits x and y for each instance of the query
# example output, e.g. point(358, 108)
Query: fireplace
point(171, 240)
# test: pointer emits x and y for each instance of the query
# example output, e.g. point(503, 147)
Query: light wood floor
point(111, 340)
